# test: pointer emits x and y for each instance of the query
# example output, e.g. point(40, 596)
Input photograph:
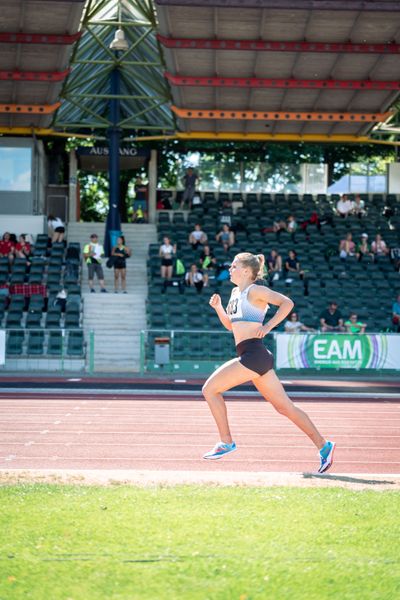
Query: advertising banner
point(337, 351)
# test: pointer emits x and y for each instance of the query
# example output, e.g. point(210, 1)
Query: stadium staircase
point(116, 319)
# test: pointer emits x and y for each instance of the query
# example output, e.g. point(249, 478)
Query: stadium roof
point(236, 69)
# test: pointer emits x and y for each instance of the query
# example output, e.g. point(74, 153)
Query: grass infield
point(198, 543)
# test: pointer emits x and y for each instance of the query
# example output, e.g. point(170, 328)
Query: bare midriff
point(244, 330)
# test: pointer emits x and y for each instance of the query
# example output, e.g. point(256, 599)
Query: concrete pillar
point(73, 181)
point(393, 178)
point(152, 186)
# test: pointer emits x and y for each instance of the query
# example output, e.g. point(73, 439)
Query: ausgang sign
point(95, 158)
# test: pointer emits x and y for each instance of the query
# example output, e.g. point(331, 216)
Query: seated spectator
point(194, 278)
point(226, 237)
point(7, 247)
point(395, 257)
point(291, 226)
point(344, 206)
point(22, 249)
point(347, 247)
point(353, 325)
point(57, 229)
point(396, 314)
point(197, 237)
point(379, 247)
point(274, 266)
point(293, 325)
point(292, 265)
point(278, 226)
point(363, 248)
point(166, 252)
point(331, 318)
point(138, 216)
point(358, 207)
point(208, 264)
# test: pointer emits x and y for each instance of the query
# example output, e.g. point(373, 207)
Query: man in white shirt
point(93, 254)
point(344, 206)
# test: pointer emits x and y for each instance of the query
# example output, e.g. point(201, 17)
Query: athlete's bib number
point(234, 308)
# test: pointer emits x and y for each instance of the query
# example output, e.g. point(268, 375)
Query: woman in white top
point(378, 246)
point(194, 278)
point(57, 227)
point(244, 316)
point(293, 325)
point(167, 250)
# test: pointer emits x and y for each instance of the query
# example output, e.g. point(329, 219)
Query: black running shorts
point(255, 356)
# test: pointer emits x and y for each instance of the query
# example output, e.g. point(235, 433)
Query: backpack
point(179, 267)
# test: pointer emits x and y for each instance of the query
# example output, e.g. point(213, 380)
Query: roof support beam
point(34, 109)
point(370, 6)
point(47, 76)
point(254, 82)
point(39, 38)
point(248, 115)
point(266, 46)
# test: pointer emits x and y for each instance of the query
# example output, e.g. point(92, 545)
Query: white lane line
point(199, 460)
point(57, 422)
point(44, 431)
point(388, 449)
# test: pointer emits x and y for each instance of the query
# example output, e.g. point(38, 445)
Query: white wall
point(18, 224)
point(393, 177)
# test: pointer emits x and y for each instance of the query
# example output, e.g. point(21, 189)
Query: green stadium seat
point(15, 340)
point(35, 343)
point(55, 343)
point(75, 346)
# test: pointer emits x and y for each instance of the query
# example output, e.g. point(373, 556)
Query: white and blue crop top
point(240, 309)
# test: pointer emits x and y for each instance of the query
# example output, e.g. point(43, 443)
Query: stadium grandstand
point(106, 90)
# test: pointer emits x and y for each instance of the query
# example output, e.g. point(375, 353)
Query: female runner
point(244, 316)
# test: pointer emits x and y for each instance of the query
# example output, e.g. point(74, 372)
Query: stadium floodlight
point(119, 42)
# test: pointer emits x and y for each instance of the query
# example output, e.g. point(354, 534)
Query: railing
point(56, 350)
point(199, 351)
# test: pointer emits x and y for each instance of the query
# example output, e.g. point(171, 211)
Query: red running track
point(148, 433)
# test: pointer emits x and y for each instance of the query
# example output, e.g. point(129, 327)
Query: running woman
point(244, 316)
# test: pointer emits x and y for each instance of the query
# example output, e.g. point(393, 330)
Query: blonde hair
point(255, 262)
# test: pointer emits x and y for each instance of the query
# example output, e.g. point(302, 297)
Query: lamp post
point(113, 223)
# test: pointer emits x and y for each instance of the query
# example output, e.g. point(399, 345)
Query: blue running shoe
point(326, 456)
point(220, 450)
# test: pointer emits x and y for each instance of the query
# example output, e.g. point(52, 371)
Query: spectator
point(189, 182)
point(22, 248)
point(292, 265)
point(363, 248)
point(208, 264)
point(194, 278)
point(358, 207)
point(344, 206)
point(274, 266)
point(93, 254)
point(396, 314)
point(293, 325)
point(166, 252)
point(121, 252)
point(61, 299)
point(291, 226)
point(197, 237)
point(226, 237)
point(395, 258)
point(353, 325)
point(7, 247)
point(57, 228)
point(140, 201)
point(347, 247)
point(331, 318)
point(278, 226)
point(196, 200)
point(379, 247)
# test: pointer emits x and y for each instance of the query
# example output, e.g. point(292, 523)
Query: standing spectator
point(274, 266)
point(121, 252)
point(93, 254)
point(292, 265)
point(347, 247)
point(22, 248)
point(197, 237)
point(396, 314)
point(358, 207)
point(166, 252)
point(353, 325)
point(57, 228)
point(363, 248)
point(140, 201)
point(226, 237)
point(331, 318)
point(379, 247)
point(189, 182)
point(344, 206)
point(194, 278)
point(293, 325)
point(7, 247)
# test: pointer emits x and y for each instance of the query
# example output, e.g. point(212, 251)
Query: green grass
point(198, 543)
